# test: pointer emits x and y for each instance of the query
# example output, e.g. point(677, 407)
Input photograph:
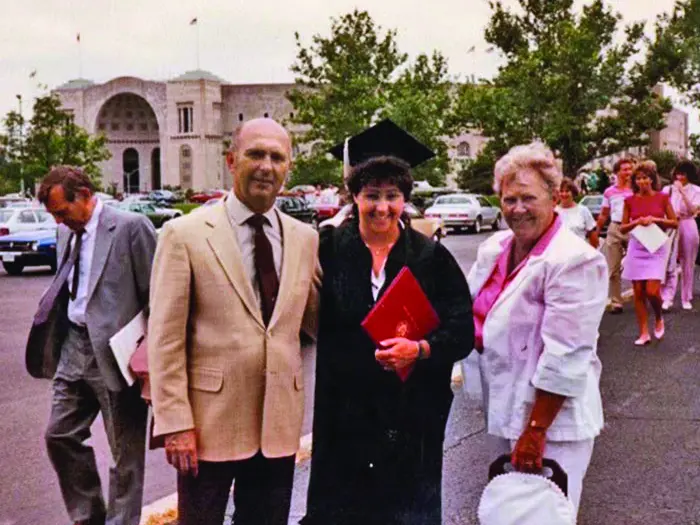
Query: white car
point(15, 220)
point(465, 210)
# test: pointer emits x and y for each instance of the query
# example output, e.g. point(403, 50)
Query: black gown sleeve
point(454, 338)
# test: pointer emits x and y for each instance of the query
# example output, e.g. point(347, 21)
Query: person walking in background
point(615, 242)
point(233, 286)
point(685, 199)
point(539, 296)
point(646, 270)
point(101, 284)
point(576, 217)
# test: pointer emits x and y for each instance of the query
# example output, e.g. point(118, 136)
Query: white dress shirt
point(238, 214)
point(77, 307)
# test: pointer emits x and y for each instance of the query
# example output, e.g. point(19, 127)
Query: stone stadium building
point(169, 133)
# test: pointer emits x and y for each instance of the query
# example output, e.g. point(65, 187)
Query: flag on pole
point(77, 38)
point(193, 21)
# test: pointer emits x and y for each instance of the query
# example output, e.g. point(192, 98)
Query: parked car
point(465, 210)
point(158, 216)
point(595, 204)
point(433, 228)
point(28, 248)
point(304, 189)
point(204, 196)
point(163, 197)
point(326, 205)
point(15, 220)
point(13, 199)
point(297, 208)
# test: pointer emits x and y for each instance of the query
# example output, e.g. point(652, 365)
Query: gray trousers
point(79, 395)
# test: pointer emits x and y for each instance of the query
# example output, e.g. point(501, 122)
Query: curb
point(164, 510)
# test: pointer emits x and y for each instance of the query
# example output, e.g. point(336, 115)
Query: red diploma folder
point(403, 311)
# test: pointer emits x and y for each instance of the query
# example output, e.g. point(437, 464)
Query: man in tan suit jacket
point(232, 287)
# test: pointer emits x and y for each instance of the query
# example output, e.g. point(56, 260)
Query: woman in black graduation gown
point(377, 440)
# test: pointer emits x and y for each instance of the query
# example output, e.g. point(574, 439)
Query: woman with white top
point(575, 216)
point(685, 199)
point(539, 294)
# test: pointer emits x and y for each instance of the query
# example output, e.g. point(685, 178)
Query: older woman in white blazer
point(539, 295)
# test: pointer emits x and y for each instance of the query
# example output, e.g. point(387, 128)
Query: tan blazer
point(214, 367)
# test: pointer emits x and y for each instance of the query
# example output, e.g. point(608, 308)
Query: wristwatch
point(422, 354)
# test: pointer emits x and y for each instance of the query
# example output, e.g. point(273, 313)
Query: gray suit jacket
point(118, 290)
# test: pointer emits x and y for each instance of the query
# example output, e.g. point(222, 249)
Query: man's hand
point(529, 450)
point(181, 451)
point(397, 353)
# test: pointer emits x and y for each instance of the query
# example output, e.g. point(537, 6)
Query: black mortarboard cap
point(384, 138)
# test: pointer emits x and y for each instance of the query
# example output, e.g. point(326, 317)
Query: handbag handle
point(550, 470)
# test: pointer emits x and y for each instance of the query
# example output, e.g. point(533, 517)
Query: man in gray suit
point(102, 283)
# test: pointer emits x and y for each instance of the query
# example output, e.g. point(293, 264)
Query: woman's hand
point(529, 450)
point(646, 221)
point(397, 353)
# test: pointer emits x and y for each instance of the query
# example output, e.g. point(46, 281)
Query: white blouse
point(578, 219)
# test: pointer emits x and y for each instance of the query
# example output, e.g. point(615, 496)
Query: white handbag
point(517, 498)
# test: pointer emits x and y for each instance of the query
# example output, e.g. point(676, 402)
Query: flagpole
point(197, 29)
point(80, 57)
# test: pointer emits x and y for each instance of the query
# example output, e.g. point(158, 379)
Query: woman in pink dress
point(685, 199)
point(645, 269)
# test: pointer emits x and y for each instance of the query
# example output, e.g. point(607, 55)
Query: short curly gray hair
point(535, 156)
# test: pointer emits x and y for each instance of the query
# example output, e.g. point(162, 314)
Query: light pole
point(127, 180)
point(21, 144)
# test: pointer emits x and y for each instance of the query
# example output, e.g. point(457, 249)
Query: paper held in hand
point(651, 237)
point(125, 342)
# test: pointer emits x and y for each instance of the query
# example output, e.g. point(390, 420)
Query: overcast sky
point(240, 41)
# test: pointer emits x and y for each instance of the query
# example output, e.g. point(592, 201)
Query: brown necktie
point(76, 267)
point(265, 272)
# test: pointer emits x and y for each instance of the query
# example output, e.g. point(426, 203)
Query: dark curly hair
point(381, 170)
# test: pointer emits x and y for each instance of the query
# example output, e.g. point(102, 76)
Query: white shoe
point(666, 306)
point(687, 306)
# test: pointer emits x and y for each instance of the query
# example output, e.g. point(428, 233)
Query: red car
point(204, 196)
point(326, 206)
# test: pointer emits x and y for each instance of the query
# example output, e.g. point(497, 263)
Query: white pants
point(572, 456)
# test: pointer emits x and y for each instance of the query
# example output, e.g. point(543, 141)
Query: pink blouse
point(500, 279)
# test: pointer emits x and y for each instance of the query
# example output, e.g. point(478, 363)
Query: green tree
point(673, 55)
point(476, 175)
point(53, 138)
point(665, 162)
point(11, 149)
point(565, 81)
point(353, 78)
point(694, 141)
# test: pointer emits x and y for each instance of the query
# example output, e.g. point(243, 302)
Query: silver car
point(465, 210)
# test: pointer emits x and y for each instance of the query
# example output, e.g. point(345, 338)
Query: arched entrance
point(155, 169)
point(130, 170)
point(130, 126)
